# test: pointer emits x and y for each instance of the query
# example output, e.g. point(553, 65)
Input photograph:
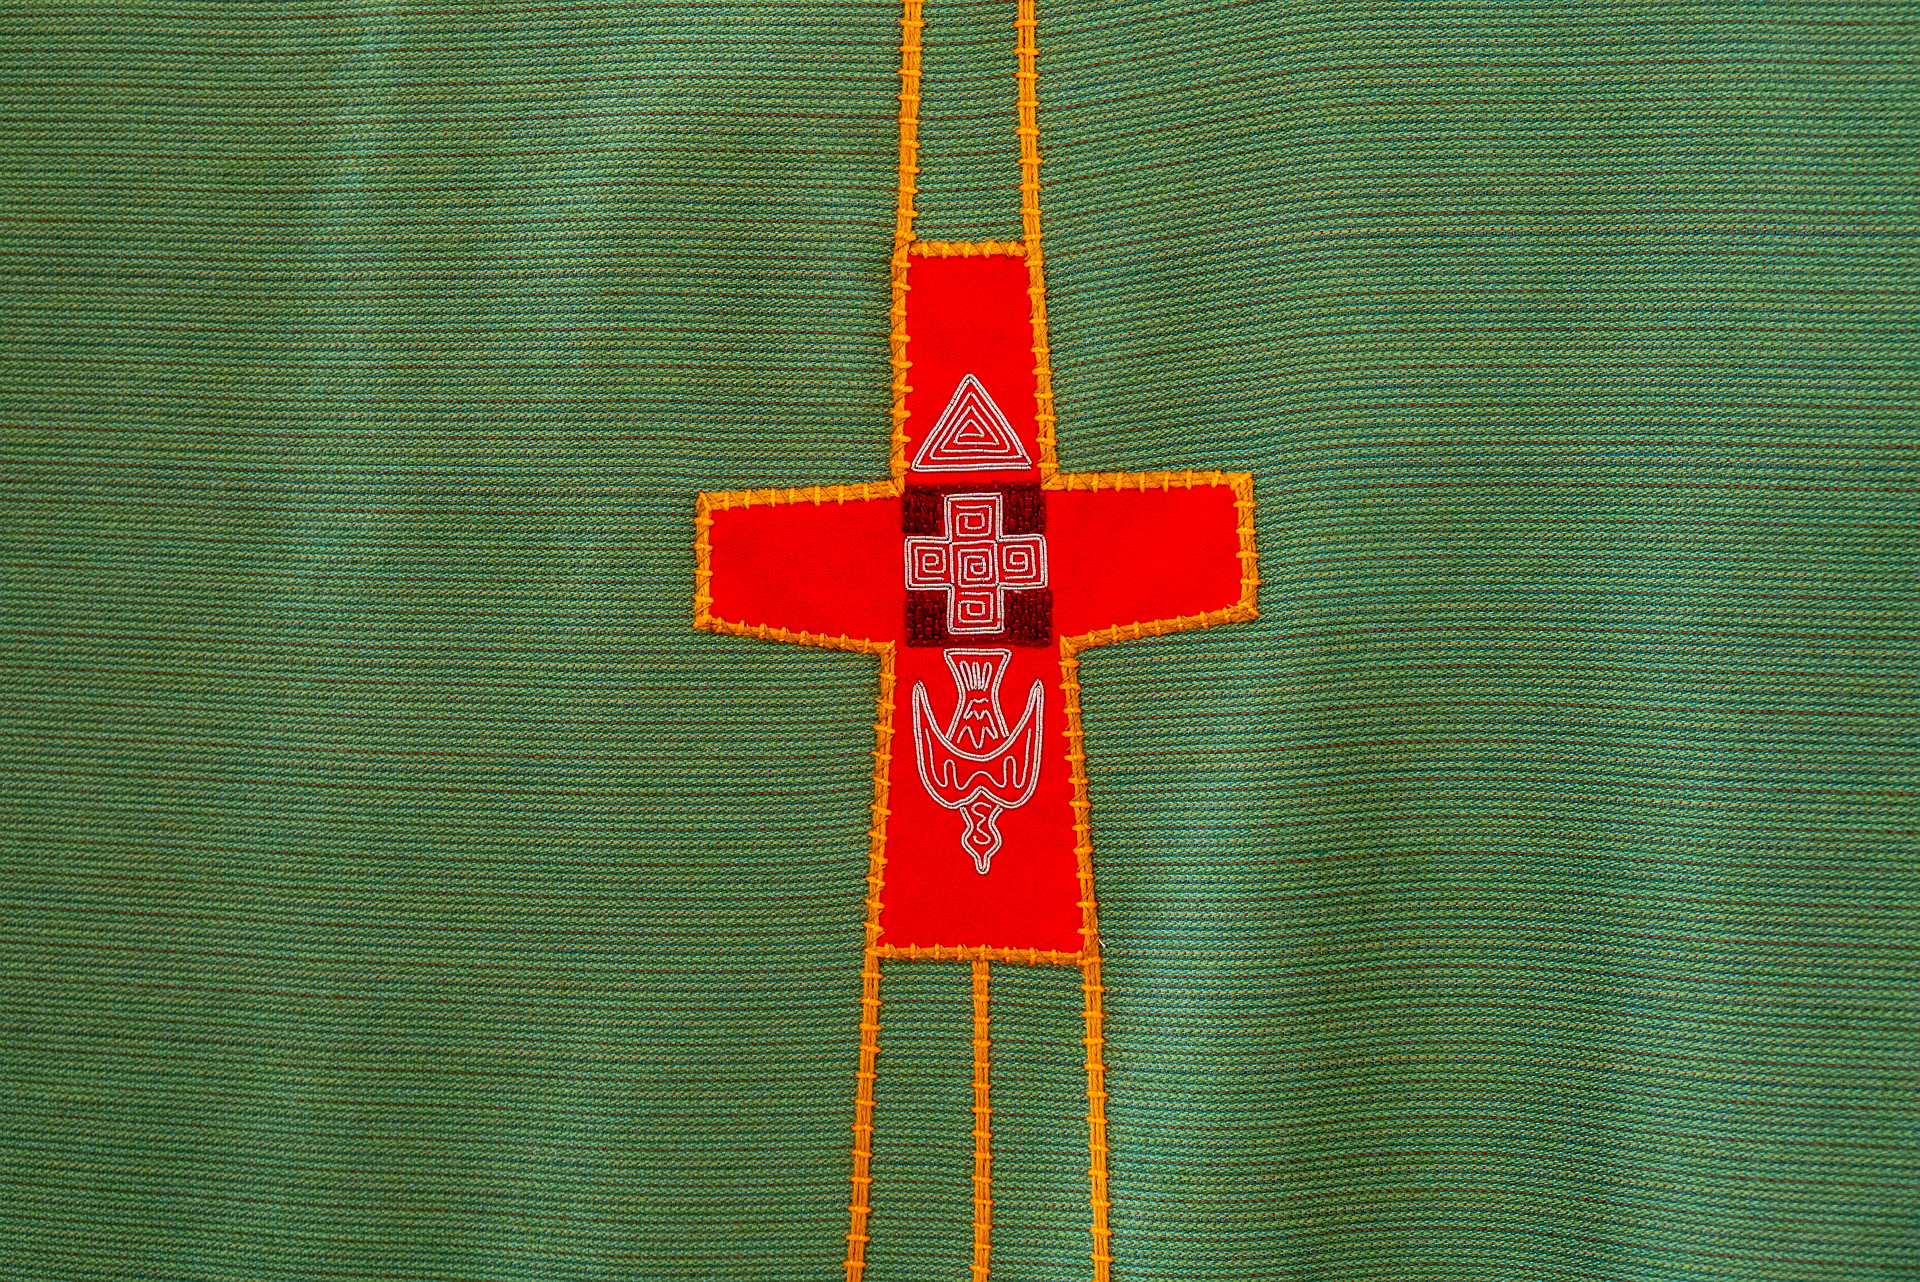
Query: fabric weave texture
point(396, 886)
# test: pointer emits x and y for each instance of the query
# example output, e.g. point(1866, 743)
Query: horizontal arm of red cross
point(1149, 552)
point(1131, 554)
point(818, 566)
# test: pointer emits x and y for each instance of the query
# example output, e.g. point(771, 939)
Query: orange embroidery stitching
point(1027, 76)
point(966, 249)
point(982, 1131)
point(910, 28)
point(956, 952)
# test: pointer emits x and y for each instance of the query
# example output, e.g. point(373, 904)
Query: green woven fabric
point(396, 887)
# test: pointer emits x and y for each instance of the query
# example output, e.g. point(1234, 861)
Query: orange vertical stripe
point(982, 1131)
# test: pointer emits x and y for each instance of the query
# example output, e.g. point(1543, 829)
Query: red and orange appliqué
point(975, 574)
point(981, 575)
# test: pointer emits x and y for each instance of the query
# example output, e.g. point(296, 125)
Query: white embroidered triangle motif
point(972, 435)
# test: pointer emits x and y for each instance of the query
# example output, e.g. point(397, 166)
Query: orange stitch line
point(982, 1130)
point(702, 563)
point(978, 953)
point(966, 249)
point(720, 500)
point(863, 1115)
point(861, 1202)
point(1097, 1123)
point(910, 28)
point(1091, 989)
point(897, 356)
point(1028, 129)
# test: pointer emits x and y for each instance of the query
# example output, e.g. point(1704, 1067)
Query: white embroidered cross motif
point(976, 564)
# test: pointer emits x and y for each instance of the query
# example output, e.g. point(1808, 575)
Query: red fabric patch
point(1134, 556)
point(970, 316)
point(832, 568)
point(1030, 897)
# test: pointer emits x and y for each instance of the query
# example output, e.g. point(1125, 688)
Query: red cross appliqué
point(977, 575)
point(975, 563)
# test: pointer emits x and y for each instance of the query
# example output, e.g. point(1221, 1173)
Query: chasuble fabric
point(397, 885)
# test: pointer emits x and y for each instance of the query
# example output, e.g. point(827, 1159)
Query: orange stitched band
point(910, 27)
point(960, 952)
point(870, 976)
point(1029, 131)
point(1027, 76)
point(966, 249)
point(1090, 986)
point(718, 500)
point(1092, 990)
point(860, 1203)
point(982, 1131)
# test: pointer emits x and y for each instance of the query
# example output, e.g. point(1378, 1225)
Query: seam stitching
point(966, 249)
point(976, 952)
point(1026, 76)
point(911, 25)
point(982, 1130)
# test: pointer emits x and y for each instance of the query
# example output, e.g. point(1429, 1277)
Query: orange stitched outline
point(910, 27)
point(982, 1130)
point(979, 953)
point(1093, 991)
point(966, 249)
point(1029, 131)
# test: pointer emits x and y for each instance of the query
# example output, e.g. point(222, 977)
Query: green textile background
point(395, 886)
